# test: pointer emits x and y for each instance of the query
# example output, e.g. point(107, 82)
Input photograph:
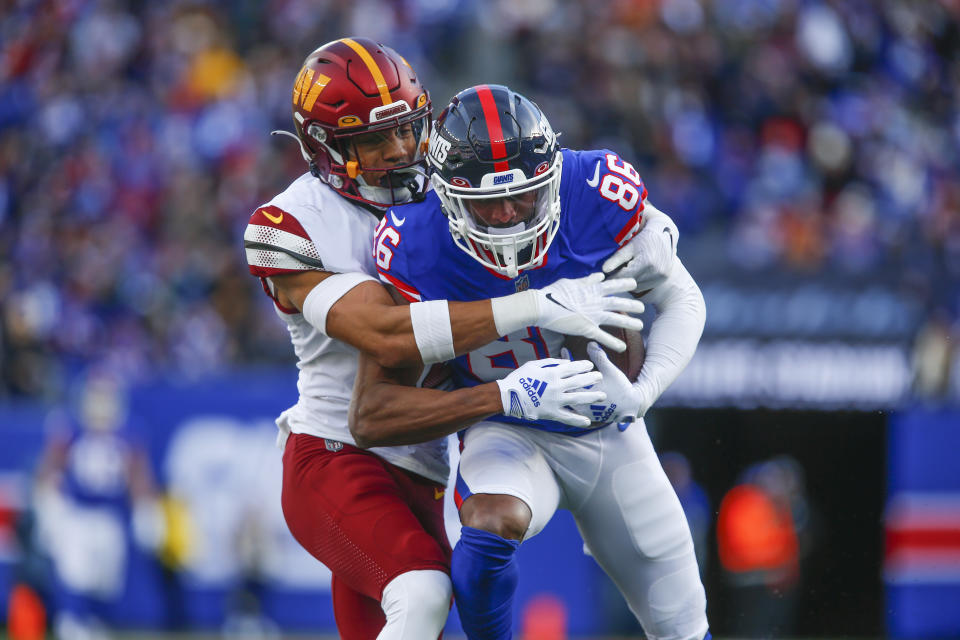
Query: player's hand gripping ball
point(619, 371)
point(629, 362)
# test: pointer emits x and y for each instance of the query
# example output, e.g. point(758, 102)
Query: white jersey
point(310, 226)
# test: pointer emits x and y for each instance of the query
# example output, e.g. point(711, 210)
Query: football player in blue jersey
point(510, 210)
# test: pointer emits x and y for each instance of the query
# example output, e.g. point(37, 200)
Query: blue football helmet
point(495, 164)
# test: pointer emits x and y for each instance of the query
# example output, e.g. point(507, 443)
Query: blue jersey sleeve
point(605, 197)
point(402, 247)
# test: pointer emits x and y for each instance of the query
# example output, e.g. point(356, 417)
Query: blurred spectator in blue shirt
point(93, 487)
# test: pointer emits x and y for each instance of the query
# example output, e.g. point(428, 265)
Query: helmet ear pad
point(320, 163)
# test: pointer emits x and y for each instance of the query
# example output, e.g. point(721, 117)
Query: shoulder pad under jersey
point(277, 243)
point(605, 194)
point(408, 243)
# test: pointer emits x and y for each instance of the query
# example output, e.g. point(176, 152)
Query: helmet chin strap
point(405, 186)
point(414, 180)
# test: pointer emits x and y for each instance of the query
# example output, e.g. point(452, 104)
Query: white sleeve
point(674, 333)
point(322, 297)
point(649, 256)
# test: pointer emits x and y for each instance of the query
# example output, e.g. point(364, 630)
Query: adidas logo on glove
point(542, 389)
point(534, 389)
point(602, 412)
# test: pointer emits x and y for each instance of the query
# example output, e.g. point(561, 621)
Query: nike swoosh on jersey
point(667, 231)
point(555, 301)
point(397, 222)
point(596, 176)
point(274, 219)
point(438, 493)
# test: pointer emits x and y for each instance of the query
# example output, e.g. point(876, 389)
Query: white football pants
point(627, 512)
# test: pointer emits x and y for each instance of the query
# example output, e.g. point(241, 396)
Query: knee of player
point(678, 605)
point(505, 516)
point(423, 593)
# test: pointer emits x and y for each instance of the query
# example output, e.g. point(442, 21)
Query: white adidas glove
point(548, 389)
point(623, 403)
point(648, 257)
point(575, 307)
point(578, 307)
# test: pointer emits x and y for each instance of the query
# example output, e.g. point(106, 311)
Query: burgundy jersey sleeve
point(277, 243)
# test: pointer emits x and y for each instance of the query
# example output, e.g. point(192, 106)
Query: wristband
point(514, 312)
point(509, 400)
point(431, 330)
point(322, 297)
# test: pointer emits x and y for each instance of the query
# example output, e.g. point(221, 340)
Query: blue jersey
point(97, 470)
point(601, 206)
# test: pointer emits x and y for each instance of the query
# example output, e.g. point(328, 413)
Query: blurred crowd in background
point(813, 136)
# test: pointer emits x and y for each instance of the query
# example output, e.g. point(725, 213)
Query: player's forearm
point(473, 325)
point(476, 324)
point(388, 414)
point(425, 332)
point(406, 335)
point(388, 334)
point(674, 334)
point(376, 327)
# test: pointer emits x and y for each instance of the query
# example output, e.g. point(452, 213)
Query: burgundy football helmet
point(352, 96)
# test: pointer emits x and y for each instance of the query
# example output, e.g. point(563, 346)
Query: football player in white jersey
point(374, 517)
point(509, 206)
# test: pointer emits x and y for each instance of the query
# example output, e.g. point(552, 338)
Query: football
point(630, 361)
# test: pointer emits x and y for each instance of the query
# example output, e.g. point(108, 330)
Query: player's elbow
point(362, 426)
point(698, 304)
point(369, 424)
point(361, 439)
point(689, 303)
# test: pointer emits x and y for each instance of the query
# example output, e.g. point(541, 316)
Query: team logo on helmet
point(540, 169)
point(306, 90)
point(457, 181)
point(439, 148)
point(349, 121)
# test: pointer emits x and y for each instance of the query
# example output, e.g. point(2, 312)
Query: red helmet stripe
point(493, 126)
point(372, 67)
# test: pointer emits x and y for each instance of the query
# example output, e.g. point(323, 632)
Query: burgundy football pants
point(368, 521)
